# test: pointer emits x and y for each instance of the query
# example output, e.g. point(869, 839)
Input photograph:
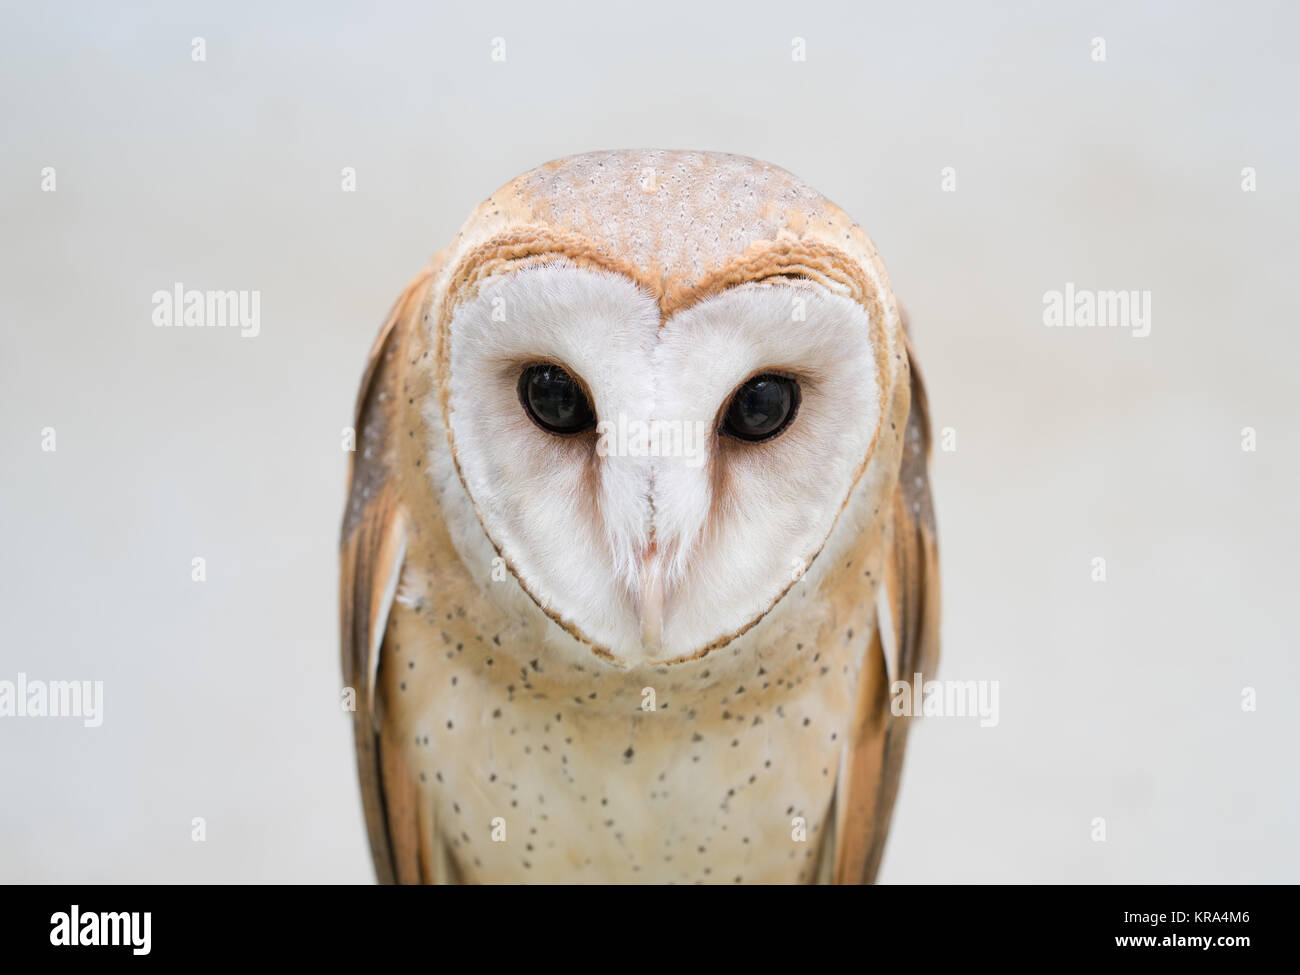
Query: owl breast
point(532, 767)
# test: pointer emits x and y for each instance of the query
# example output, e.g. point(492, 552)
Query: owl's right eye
point(555, 400)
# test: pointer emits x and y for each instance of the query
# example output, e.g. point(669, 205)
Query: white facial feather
point(731, 529)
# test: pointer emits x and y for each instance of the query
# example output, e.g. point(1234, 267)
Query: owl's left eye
point(761, 408)
point(555, 400)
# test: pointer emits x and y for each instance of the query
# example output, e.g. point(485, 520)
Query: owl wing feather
point(905, 641)
point(372, 548)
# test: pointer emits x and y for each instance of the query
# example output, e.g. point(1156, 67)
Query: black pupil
point(760, 408)
point(555, 400)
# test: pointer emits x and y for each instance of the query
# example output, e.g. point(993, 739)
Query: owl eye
point(555, 400)
point(761, 408)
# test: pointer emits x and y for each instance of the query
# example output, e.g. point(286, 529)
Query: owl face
point(656, 483)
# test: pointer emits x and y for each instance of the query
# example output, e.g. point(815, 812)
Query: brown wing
point(909, 632)
point(371, 550)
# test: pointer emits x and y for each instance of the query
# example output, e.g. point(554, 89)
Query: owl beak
point(650, 601)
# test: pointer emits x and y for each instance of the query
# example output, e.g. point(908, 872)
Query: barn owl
point(638, 536)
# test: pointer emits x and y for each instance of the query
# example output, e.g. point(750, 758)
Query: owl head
point(658, 381)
